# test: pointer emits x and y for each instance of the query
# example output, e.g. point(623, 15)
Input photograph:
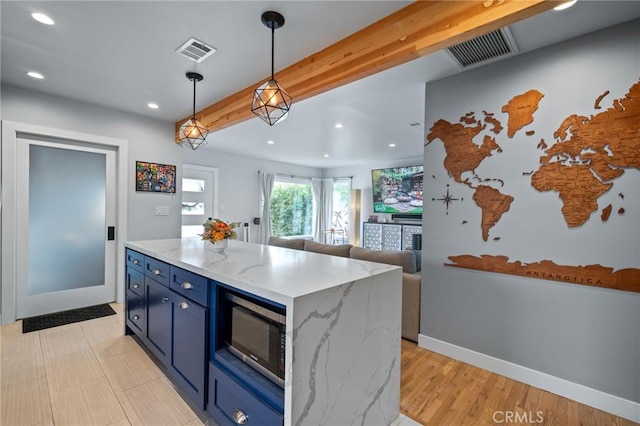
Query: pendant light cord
point(194, 98)
point(272, 49)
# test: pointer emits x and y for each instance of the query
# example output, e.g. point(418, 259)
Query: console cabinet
point(389, 236)
point(173, 325)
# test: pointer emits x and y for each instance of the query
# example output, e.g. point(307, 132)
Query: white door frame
point(8, 212)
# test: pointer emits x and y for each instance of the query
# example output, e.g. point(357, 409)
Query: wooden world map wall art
point(588, 155)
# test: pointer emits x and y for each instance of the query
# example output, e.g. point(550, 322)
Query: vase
point(220, 246)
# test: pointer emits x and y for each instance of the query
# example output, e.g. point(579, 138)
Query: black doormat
point(67, 317)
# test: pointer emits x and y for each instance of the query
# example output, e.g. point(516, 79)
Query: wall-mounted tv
point(397, 190)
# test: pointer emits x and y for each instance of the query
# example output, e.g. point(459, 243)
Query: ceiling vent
point(196, 50)
point(484, 49)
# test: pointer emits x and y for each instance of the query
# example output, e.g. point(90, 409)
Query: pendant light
point(192, 131)
point(270, 102)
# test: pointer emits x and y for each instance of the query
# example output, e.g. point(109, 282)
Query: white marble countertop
point(275, 273)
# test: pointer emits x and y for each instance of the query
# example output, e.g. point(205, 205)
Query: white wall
point(586, 336)
point(150, 140)
point(239, 196)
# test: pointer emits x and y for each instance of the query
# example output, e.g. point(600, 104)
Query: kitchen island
point(342, 340)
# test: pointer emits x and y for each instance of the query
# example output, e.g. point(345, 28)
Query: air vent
point(196, 50)
point(486, 48)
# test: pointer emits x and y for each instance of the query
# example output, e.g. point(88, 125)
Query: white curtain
point(265, 182)
point(322, 207)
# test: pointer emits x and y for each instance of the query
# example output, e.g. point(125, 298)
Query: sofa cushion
point(292, 243)
point(404, 258)
point(341, 250)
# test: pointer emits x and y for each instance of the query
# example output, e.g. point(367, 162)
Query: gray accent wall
point(585, 335)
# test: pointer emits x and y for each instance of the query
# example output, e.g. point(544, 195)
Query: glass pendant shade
point(193, 133)
point(271, 103)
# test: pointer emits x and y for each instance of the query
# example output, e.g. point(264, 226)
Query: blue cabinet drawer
point(228, 397)
point(135, 281)
point(158, 270)
point(136, 309)
point(190, 285)
point(135, 260)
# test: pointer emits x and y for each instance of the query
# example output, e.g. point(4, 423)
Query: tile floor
point(87, 374)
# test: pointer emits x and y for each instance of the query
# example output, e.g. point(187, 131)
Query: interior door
point(66, 249)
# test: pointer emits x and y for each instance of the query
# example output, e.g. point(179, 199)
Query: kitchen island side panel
point(346, 353)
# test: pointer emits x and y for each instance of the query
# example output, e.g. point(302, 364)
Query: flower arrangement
point(217, 230)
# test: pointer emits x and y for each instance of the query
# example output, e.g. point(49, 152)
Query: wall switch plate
point(162, 210)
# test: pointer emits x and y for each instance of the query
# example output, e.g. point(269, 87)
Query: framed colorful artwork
point(152, 177)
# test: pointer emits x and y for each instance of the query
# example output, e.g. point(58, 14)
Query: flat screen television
point(397, 190)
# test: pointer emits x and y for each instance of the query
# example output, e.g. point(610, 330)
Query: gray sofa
point(409, 260)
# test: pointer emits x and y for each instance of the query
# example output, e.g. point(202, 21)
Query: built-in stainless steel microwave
point(256, 335)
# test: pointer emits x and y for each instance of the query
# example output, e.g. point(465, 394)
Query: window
point(291, 207)
point(340, 219)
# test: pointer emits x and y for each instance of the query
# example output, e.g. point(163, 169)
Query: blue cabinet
point(173, 325)
point(189, 360)
point(173, 312)
point(159, 312)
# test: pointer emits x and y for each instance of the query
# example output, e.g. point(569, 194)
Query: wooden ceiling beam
point(421, 28)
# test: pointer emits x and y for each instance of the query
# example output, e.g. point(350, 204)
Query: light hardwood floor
point(437, 390)
point(89, 374)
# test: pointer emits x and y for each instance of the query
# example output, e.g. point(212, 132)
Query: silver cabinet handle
point(136, 317)
point(239, 417)
point(136, 286)
point(156, 272)
point(187, 285)
point(184, 305)
point(136, 262)
point(165, 299)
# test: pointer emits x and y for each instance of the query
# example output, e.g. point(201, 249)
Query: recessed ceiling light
point(392, 145)
point(566, 5)
point(326, 156)
point(34, 74)
point(339, 126)
point(270, 142)
point(153, 105)
point(42, 18)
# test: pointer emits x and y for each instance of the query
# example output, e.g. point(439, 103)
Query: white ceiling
point(122, 55)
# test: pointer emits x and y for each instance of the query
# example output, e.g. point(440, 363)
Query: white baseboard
point(603, 401)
